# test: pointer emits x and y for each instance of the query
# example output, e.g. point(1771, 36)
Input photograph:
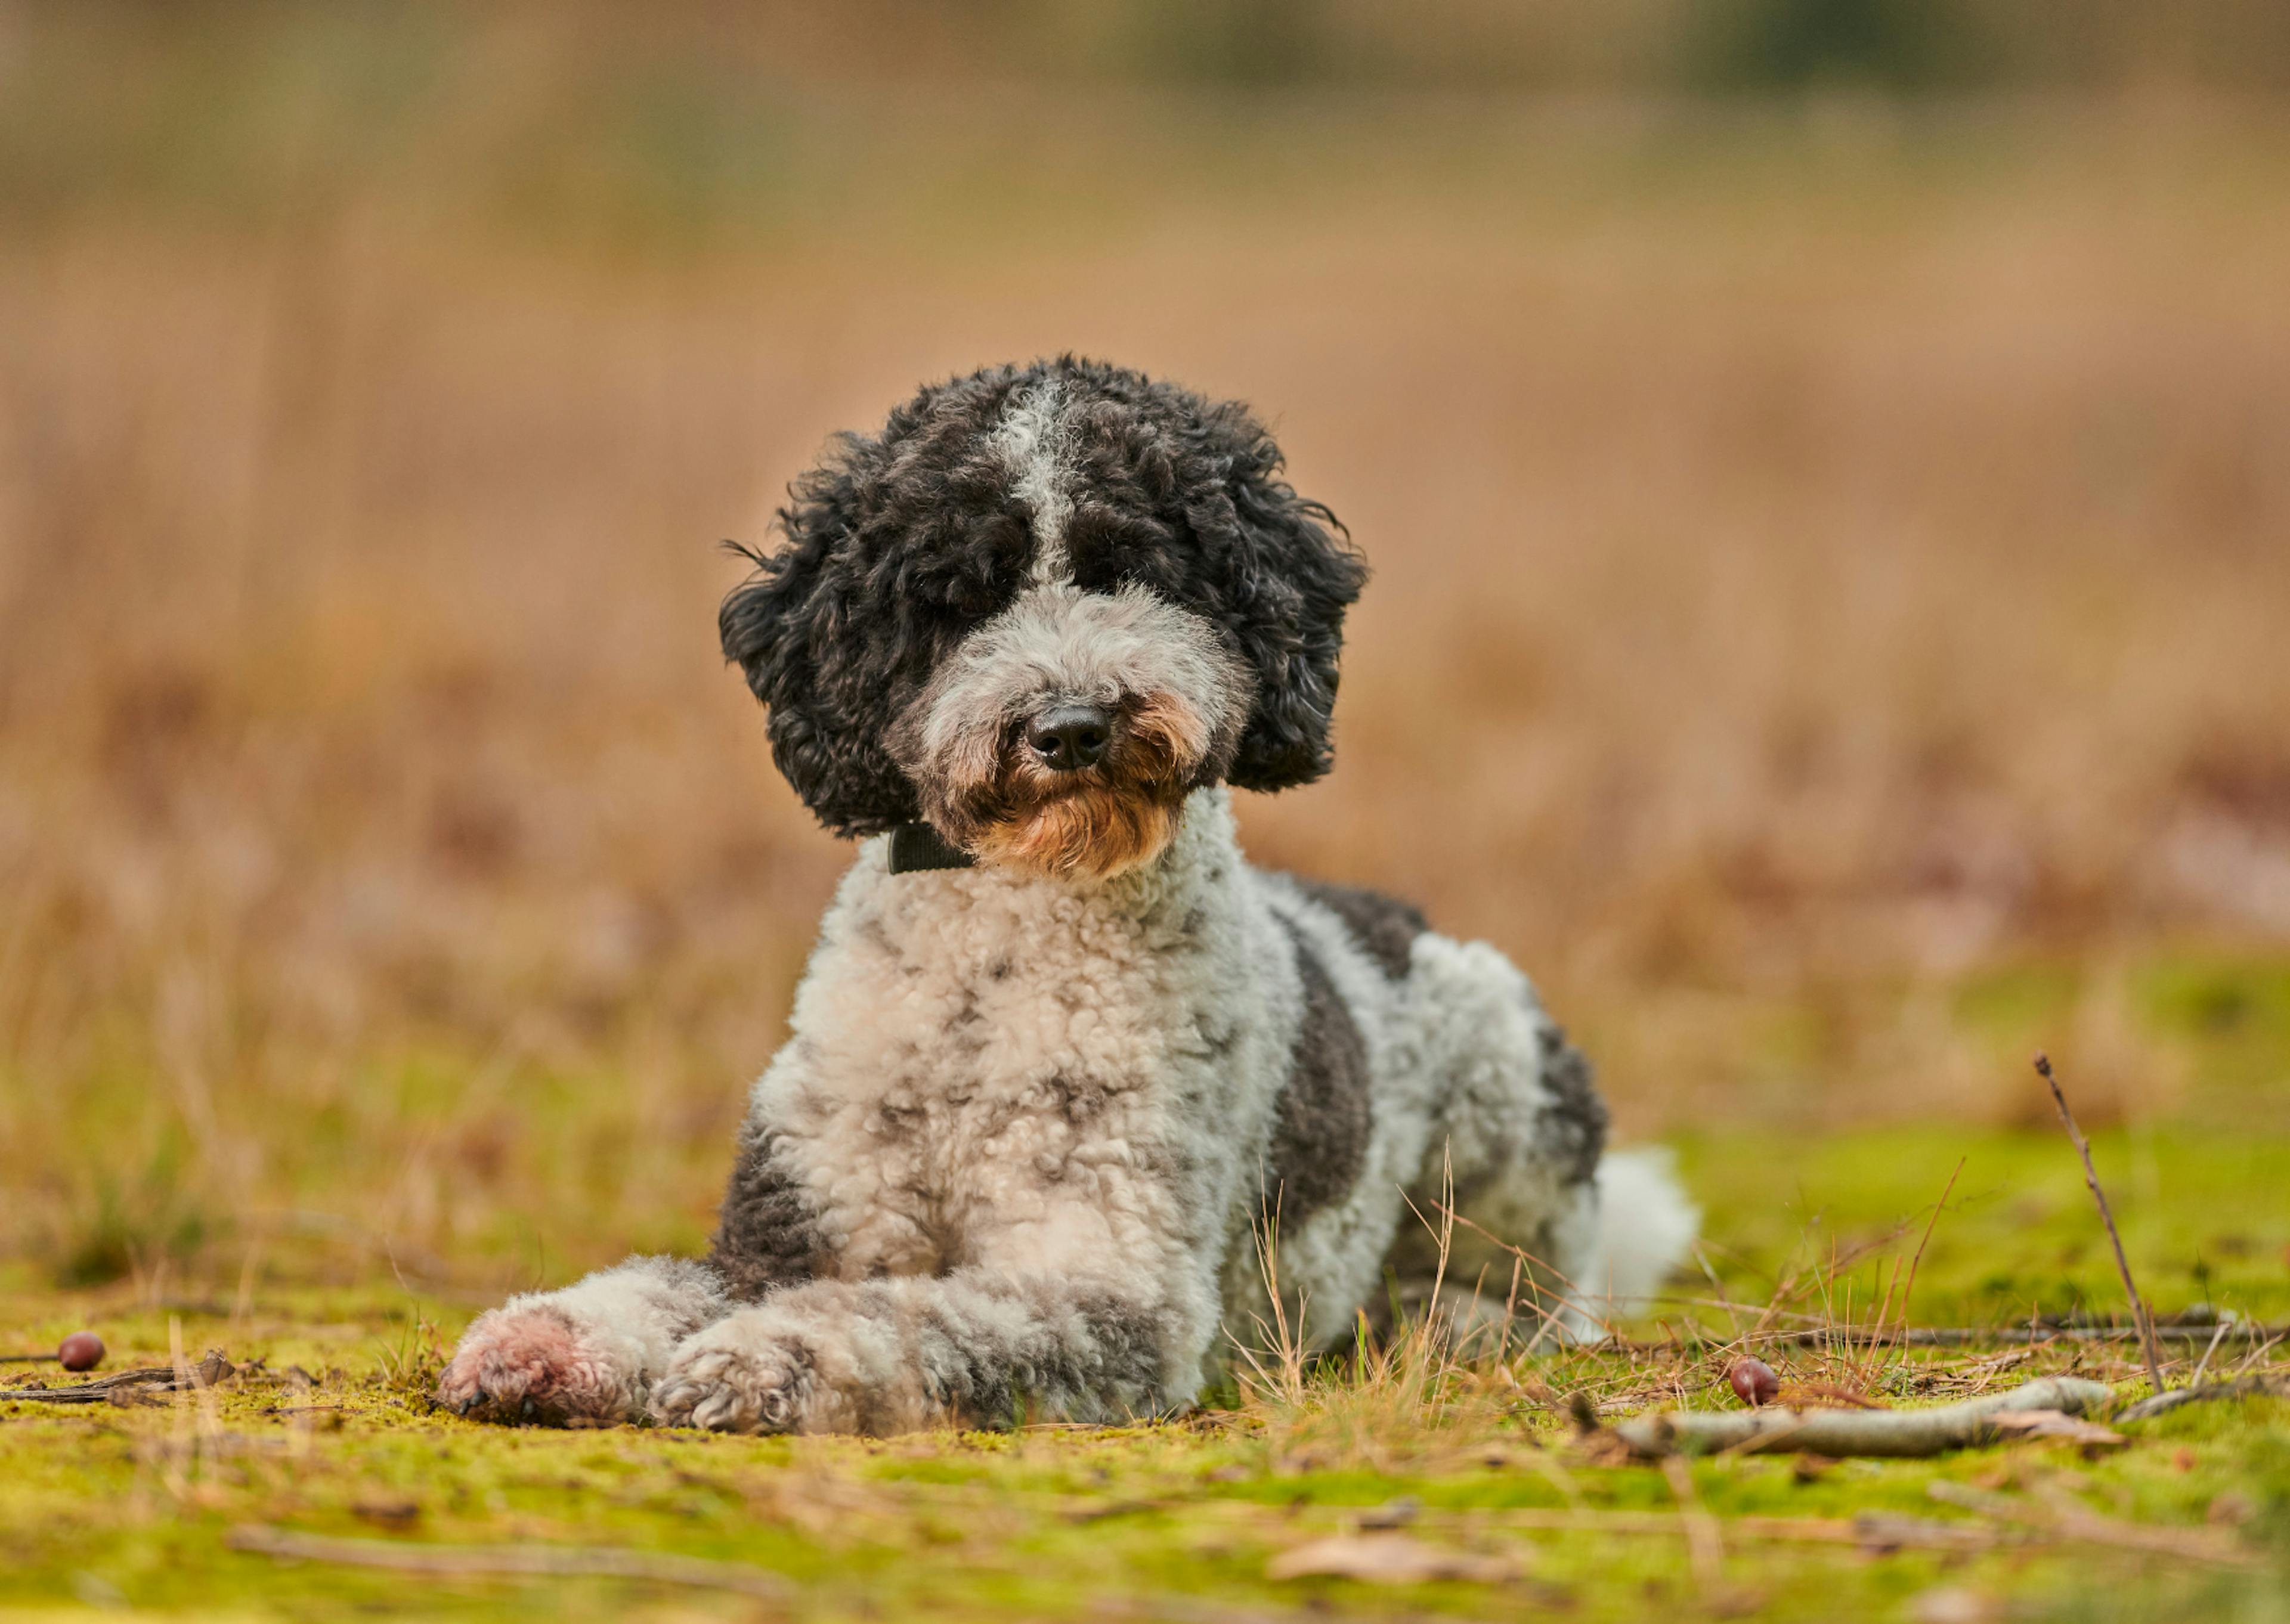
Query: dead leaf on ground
point(388, 1513)
point(2056, 1424)
point(1392, 1514)
point(1387, 1559)
point(1603, 1447)
point(2231, 1510)
point(1953, 1605)
point(1541, 1392)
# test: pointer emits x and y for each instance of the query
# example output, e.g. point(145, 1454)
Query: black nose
point(1071, 736)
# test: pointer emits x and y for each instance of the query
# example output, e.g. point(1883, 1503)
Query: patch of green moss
point(2201, 1212)
point(332, 1434)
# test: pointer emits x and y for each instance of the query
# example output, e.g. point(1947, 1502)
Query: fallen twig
point(2263, 1386)
point(1857, 1432)
point(541, 1561)
point(2140, 1315)
point(157, 1379)
point(2203, 1363)
point(1956, 1336)
point(2069, 1520)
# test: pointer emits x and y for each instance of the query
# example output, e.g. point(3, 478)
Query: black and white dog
point(1059, 1051)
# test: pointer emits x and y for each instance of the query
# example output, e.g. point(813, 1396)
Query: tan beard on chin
point(1093, 833)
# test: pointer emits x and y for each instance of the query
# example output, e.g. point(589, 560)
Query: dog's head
point(1039, 609)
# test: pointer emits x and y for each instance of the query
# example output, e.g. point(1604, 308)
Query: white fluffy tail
point(1645, 1227)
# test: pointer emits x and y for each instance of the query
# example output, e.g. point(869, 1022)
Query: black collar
point(915, 847)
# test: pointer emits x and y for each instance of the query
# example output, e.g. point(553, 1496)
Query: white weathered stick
point(1857, 1432)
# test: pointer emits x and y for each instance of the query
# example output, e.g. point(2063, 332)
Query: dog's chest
point(972, 1049)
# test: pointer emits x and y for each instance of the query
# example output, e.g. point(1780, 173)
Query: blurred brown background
point(1827, 467)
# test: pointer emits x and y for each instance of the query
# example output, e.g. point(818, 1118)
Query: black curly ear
point(1297, 574)
point(810, 660)
point(897, 544)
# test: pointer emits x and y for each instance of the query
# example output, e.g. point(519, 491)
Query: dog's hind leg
point(589, 1352)
point(1517, 1130)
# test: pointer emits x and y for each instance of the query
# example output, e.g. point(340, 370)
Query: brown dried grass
point(1794, 583)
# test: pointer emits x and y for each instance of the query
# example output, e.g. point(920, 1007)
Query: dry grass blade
point(2139, 1313)
point(1401, 1390)
point(538, 1561)
point(1916, 1262)
point(1283, 1379)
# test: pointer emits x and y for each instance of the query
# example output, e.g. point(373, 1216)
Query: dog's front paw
point(532, 1365)
point(737, 1376)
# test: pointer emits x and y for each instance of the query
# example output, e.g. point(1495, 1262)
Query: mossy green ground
point(101, 1506)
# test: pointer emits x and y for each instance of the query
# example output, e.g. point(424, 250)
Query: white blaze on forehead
point(1032, 442)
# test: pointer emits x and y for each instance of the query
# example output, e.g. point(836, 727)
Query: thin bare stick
point(2140, 1316)
point(159, 1379)
point(2066, 1518)
point(1948, 1336)
point(2243, 1387)
point(2196, 1380)
point(2260, 1352)
point(544, 1561)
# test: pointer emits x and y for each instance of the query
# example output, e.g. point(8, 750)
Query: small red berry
point(1754, 1381)
point(82, 1350)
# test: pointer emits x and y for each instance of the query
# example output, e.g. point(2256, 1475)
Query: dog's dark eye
point(963, 566)
point(1109, 547)
point(975, 599)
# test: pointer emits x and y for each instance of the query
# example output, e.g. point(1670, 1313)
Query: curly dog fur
point(1046, 1089)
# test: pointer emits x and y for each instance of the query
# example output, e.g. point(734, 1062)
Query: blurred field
point(1832, 559)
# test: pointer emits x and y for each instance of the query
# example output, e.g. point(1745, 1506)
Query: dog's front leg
point(977, 1347)
point(590, 1351)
